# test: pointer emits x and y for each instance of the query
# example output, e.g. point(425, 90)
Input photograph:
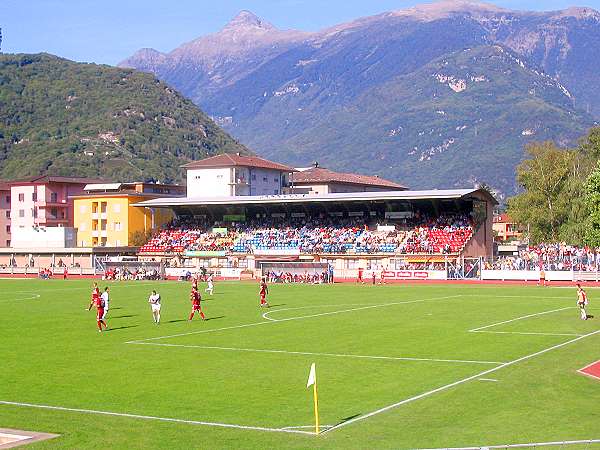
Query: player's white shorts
point(105, 313)
point(155, 308)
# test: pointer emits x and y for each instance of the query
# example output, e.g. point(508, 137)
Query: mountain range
point(439, 95)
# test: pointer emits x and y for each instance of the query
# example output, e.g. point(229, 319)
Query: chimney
point(316, 164)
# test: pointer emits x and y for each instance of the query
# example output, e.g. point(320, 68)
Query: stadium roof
point(441, 194)
point(321, 175)
point(229, 160)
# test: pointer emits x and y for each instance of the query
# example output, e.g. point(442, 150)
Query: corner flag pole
point(312, 380)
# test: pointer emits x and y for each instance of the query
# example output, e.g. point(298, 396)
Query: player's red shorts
point(100, 314)
point(196, 307)
point(263, 296)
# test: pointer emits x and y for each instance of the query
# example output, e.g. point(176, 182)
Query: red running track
point(593, 370)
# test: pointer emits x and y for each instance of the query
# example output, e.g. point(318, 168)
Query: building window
point(53, 197)
point(34, 213)
point(197, 177)
point(8, 243)
point(8, 229)
point(21, 212)
point(53, 213)
point(118, 226)
point(276, 191)
point(276, 180)
point(265, 179)
point(34, 196)
point(21, 197)
point(8, 213)
point(254, 176)
point(8, 199)
point(117, 207)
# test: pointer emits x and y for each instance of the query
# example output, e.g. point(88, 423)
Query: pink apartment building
point(4, 214)
point(44, 201)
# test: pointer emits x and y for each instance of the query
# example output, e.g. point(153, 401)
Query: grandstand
point(346, 229)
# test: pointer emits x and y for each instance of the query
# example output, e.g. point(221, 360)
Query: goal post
point(322, 270)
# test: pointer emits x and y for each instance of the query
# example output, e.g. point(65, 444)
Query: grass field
point(403, 366)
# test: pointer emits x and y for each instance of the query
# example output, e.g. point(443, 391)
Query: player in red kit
point(359, 279)
point(99, 303)
point(263, 291)
point(195, 299)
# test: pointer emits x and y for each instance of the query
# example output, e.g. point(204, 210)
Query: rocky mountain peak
point(248, 21)
point(444, 8)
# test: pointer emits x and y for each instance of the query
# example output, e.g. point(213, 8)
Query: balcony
point(45, 204)
point(239, 182)
point(49, 220)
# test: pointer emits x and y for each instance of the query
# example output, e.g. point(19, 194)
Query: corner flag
point(312, 376)
point(312, 381)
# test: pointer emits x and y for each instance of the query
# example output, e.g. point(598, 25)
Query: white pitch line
point(265, 315)
point(253, 324)
point(31, 297)
point(532, 444)
point(162, 419)
point(306, 426)
point(329, 313)
point(520, 318)
point(333, 355)
point(528, 333)
point(456, 383)
point(488, 379)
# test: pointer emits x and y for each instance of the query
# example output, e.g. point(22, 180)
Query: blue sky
point(107, 31)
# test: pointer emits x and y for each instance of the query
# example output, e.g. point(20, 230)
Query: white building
point(235, 175)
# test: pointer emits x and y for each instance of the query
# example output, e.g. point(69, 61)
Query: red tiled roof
point(321, 175)
point(502, 218)
point(38, 179)
point(227, 160)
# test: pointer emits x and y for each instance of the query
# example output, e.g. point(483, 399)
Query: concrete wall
point(38, 238)
point(5, 221)
point(233, 181)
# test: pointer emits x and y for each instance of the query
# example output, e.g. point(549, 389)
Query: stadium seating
point(446, 234)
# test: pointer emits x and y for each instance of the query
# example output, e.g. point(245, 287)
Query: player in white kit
point(154, 301)
point(105, 299)
point(211, 286)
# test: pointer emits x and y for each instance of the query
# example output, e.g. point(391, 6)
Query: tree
point(592, 203)
point(139, 238)
point(544, 205)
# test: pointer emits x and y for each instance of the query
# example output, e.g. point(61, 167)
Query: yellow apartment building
point(104, 215)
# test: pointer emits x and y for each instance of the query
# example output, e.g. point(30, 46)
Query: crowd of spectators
point(559, 257)
point(445, 234)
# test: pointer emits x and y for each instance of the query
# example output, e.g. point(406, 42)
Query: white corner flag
point(312, 381)
point(312, 376)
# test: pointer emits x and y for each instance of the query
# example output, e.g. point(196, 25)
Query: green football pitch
point(398, 366)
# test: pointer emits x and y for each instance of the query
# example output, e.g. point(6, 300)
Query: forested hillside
point(67, 118)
